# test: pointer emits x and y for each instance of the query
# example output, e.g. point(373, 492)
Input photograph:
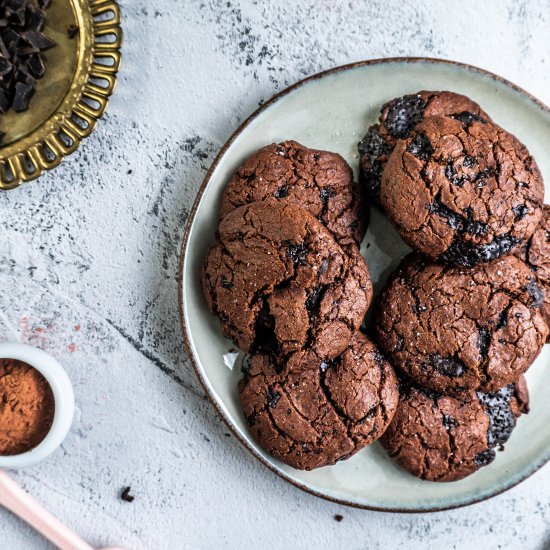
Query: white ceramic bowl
point(63, 394)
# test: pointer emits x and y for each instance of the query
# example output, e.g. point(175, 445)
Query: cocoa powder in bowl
point(27, 407)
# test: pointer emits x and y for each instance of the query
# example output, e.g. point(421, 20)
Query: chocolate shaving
point(126, 496)
point(72, 31)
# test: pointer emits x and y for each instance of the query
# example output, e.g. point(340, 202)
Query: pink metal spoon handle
point(15, 499)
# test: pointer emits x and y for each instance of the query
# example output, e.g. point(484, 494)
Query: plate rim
point(182, 262)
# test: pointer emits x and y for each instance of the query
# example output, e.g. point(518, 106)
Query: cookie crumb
point(126, 496)
point(338, 517)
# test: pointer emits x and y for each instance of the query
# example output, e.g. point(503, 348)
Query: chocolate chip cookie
point(462, 191)
point(537, 255)
point(279, 282)
point(320, 182)
point(399, 118)
point(309, 412)
point(447, 327)
point(448, 437)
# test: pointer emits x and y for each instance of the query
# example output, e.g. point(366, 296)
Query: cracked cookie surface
point(537, 256)
point(448, 327)
point(448, 437)
point(320, 182)
point(279, 282)
point(463, 192)
point(399, 118)
point(309, 412)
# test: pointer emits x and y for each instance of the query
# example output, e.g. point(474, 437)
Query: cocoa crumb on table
point(126, 496)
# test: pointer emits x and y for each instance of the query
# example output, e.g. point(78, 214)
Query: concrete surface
point(88, 259)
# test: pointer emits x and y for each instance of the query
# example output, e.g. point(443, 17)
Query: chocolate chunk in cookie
point(399, 118)
point(279, 282)
point(309, 412)
point(536, 253)
point(448, 437)
point(449, 327)
point(462, 192)
point(320, 182)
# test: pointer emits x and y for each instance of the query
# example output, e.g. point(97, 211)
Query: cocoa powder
point(26, 407)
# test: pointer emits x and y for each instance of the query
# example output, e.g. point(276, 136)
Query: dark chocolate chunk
point(36, 66)
point(483, 341)
point(485, 457)
point(452, 176)
point(15, 16)
point(126, 496)
point(72, 31)
point(449, 422)
point(272, 398)
point(421, 147)
point(449, 366)
point(226, 284)
point(5, 67)
point(282, 192)
point(22, 97)
point(403, 114)
point(468, 118)
point(35, 19)
point(298, 252)
point(38, 40)
point(325, 195)
point(461, 223)
point(330, 363)
point(520, 211)
point(373, 144)
point(265, 340)
point(373, 148)
point(501, 418)
point(468, 161)
point(314, 300)
point(469, 254)
point(536, 293)
point(4, 103)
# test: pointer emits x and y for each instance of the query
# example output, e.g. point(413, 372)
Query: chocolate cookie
point(320, 182)
point(309, 412)
point(462, 191)
point(399, 118)
point(448, 327)
point(444, 438)
point(278, 281)
point(537, 255)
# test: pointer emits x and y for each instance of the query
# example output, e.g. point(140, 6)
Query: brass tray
point(73, 94)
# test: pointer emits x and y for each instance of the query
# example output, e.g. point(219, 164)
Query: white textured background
point(88, 261)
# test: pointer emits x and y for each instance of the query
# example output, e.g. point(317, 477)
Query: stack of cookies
point(291, 289)
point(461, 320)
point(466, 314)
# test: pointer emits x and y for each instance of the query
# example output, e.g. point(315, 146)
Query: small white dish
point(333, 110)
point(63, 394)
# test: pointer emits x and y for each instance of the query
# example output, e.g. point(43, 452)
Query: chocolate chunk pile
point(21, 44)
